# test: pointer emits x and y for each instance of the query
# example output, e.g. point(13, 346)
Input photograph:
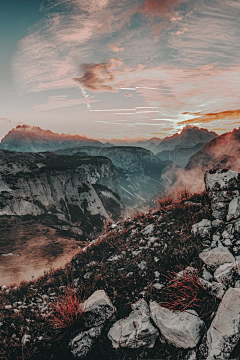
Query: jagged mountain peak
point(27, 138)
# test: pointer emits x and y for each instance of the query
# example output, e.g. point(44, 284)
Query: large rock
point(226, 272)
point(136, 330)
point(182, 329)
point(97, 309)
point(217, 256)
point(223, 187)
point(203, 228)
point(221, 179)
point(224, 332)
point(81, 344)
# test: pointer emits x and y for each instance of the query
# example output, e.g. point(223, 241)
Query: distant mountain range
point(27, 138)
point(180, 147)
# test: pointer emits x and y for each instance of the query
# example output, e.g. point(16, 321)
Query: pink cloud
point(159, 8)
point(115, 48)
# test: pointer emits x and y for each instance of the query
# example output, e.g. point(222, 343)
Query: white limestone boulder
point(182, 329)
point(226, 272)
point(224, 334)
point(203, 228)
point(134, 331)
point(97, 309)
point(217, 256)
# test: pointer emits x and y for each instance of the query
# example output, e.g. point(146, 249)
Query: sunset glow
point(111, 69)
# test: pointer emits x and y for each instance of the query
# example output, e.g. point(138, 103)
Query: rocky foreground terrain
point(162, 285)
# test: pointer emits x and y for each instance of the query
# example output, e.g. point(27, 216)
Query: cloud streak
point(207, 118)
point(62, 101)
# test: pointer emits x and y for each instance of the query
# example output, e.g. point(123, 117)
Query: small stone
point(227, 242)
point(158, 286)
point(217, 223)
point(206, 275)
point(203, 228)
point(188, 271)
point(237, 284)
point(191, 355)
point(225, 273)
point(149, 229)
point(142, 266)
point(213, 288)
point(26, 338)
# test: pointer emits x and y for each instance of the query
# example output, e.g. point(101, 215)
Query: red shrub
point(67, 310)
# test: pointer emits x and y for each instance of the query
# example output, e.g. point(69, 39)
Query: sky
point(120, 69)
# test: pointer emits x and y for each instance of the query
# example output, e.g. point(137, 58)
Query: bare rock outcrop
point(136, 330)
point(224, 332)
point(182, 329)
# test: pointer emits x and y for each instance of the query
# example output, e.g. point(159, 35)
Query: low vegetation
point(128, 259)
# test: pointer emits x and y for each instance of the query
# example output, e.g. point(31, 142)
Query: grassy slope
point(172, 247)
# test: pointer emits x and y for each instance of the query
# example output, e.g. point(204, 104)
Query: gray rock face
point(223, 189)
point(182, 329)
point(221, 179)
point(136, 330)
point(138, 169)
point(83, 342)
point(97, 309)
point(203, 228)
point(217, 256)
point(224, 334)
point(234, 209)
point(225, 273)
point(81, 192)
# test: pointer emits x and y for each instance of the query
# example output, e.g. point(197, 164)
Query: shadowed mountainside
point(180, 147)
point(138, 169)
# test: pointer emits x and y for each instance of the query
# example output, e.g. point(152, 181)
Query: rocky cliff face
point(181, 155)
point(82, 192)
point(139, 170)
point(27, 138)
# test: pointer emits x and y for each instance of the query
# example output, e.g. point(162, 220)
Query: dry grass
point(171, 198)
point(68, 310)
point(184, 291)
